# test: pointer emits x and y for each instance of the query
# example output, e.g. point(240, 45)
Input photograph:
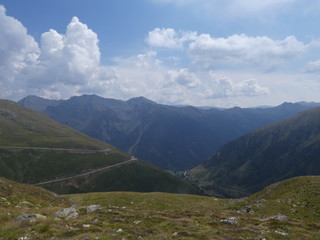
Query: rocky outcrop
point(67, 213)
point(93, 208)
point(31, 217)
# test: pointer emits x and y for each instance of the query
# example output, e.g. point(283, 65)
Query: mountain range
point(38, 150)
point(267, 155)
point(171, 137)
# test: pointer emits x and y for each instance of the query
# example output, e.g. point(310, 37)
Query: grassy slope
point(171, 216)
point(137, 176)
point(270, 154)
point(21, 127)
point(27, 128)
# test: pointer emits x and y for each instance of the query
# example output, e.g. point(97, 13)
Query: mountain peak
point(140, 100)
point(37, 103)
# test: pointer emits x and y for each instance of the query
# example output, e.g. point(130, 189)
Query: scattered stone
point(67, 213)
point(231, 220)
point(86, 225)
point(137, 222)
point(246, 209)
point(93, 208)
point(95, 220)
point(22, 238)
point(3, 199)
point(72, 215)
point(174, 234)
point(282, 233)
point(25, 203)
point(279, 217)
point(119, 230)
point(31, 217)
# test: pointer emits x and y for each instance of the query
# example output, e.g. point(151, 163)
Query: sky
point(227, 53)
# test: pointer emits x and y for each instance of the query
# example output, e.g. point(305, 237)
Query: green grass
point(23, 127)
point(163, 215)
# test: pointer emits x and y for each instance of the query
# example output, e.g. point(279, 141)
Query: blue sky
point(198, 52)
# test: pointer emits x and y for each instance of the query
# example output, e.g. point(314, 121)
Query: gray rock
point(31, 217)
point(67, 213)
point(72, 215)
point(282, 233)
point(246, 209)
point(231, 220)
point(279, 217)
point(93, 208)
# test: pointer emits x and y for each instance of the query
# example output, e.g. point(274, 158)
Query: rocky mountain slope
point(35, 149)
point(286, 210)
point(175, 138)
point(270, 154)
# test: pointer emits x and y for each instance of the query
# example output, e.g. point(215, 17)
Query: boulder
point(231, 220)
point(67, 213)
point(93, 208)
point(31, 217)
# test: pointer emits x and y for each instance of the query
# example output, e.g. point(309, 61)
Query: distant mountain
point(270, 154)
point(37, 103)
point(175, 138)
point(36, 149)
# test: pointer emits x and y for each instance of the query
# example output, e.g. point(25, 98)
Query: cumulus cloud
point(222, 87)
point(17, 51)
point(64, 64)
point(183, 77)
point(67, 64)
point(245, 50)
point(72, 58)
point(237, 50)
point(169, 38)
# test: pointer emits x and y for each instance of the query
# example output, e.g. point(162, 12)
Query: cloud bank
point(67, 64)
point(237, 50)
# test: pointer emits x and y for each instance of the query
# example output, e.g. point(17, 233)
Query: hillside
point(270, 154)
point(175, 138)
point(34, 148)
point(286, 210)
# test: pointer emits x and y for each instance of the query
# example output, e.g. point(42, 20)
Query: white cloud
point(224, 87)
point(64, 65)
point(169, 38)
point(313, 67)
point(208, 52)
point(242, 50)
point(71, 59)
point(17, 51)
point(68, 64)
point(183, 77)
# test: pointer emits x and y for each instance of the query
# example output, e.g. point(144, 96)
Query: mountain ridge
point(34, 148)
point(269, 154)
point(174, 138)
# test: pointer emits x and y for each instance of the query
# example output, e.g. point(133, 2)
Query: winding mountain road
point(87, 173)
point(58, 149)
